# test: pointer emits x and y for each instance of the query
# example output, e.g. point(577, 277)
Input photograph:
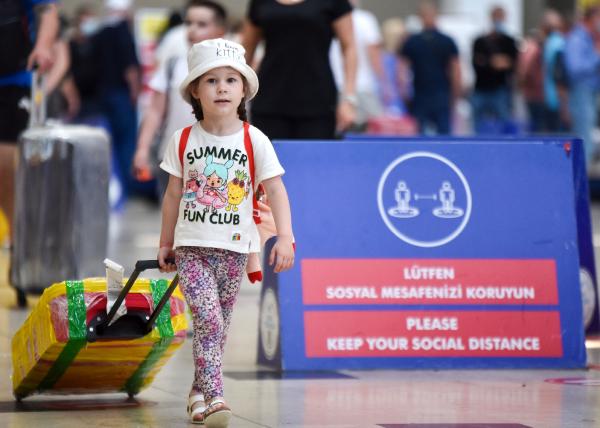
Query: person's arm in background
point(404, 72)
point(134, 82)
point(132, 73)
point(62, 63)
point(346, 110)
point(69, 91)
point(454, 73)
point(480, 58)
point(41, 55)
point(153, 119)
point(250, 37)
point(455, 79)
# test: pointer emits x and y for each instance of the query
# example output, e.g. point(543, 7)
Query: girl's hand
point(282, 254)
point(163, 254)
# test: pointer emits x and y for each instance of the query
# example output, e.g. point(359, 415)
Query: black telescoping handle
point(140, 266)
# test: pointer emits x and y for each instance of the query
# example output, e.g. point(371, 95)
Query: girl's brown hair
point(199, 114)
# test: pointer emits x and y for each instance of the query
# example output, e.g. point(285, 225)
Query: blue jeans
point(582, 103)
point(490, 106)
point(122, 118)
point(432, 112)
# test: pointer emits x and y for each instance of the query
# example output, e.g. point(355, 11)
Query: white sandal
point(196, 414)
point(217, 414)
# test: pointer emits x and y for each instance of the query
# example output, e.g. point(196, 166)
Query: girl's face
point(201, 24)
point(220, 92)
point(214, 180)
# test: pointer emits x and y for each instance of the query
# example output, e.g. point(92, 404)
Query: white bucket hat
point(215, 53)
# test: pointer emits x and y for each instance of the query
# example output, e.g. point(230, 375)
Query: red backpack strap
point(250, 153)
point(183, 140)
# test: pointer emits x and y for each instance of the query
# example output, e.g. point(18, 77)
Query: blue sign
point(429, 254)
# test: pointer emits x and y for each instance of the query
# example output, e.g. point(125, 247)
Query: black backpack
point(15, 44)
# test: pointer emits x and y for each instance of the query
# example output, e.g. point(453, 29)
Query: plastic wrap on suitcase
point(51, 352)
point(61, 205)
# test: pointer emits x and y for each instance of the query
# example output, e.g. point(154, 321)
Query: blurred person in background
point(433, 58)
point(369, 71)
point(582, 60)
point(556, 103)
point(173, 41)
point(298, 98)
point(167, 111)
point(22, 47)
point(85, 66)
point(396, 86)
point(119, 84)
point(494, 61)
point(530, 73)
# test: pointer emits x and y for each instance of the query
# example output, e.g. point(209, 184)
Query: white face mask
point(89, 26)
point(499, 27)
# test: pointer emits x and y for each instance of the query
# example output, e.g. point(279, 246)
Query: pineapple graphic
point(237, 190)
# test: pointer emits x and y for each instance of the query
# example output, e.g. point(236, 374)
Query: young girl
point(211, 243)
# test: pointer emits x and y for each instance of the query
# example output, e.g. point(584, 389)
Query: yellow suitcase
point(68, 344)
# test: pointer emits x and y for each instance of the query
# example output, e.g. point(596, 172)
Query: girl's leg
point(229, 277)
point(197, 275)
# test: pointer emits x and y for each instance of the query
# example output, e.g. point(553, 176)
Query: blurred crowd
point(408, 78)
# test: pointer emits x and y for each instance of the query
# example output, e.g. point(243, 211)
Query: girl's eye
point(211, 80)
point(231, 80)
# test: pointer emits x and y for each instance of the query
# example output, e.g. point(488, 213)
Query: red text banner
point(432, 334)
point(429, 281)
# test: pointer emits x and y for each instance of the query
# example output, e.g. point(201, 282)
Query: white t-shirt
point(174, 43)
point(366, 33)
point(216, 206)
point(178, 113)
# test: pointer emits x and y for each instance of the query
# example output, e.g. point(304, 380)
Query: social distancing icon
point(424, 199)
point(447, 197)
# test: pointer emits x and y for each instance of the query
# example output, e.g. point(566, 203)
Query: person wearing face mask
point(494, 61)
point(582, 61)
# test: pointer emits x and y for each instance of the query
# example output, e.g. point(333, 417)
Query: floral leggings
point(210, 280)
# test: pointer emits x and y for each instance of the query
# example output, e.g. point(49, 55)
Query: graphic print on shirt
point(210, 197)
point(193, 188)
point(214, 194)
point(237, 189)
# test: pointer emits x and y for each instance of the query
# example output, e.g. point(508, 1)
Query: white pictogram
point(447, 197)
point(403, 209)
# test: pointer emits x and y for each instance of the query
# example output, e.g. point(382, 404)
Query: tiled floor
point(259, 398)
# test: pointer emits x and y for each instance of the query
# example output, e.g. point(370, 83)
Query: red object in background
point(392, 125)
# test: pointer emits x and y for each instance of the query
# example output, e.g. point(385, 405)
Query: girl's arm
point(170, 212)
point(283, 252)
